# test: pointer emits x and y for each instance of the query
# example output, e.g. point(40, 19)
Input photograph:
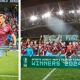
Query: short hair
point(2, 15)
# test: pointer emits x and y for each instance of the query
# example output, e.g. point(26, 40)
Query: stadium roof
point(39, 7)
point(29, 3)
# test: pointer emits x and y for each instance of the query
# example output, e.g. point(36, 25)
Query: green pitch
point(58, 74)
point(9, 66)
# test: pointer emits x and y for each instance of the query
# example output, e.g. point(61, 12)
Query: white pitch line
point(45, 78)
point(9, 76)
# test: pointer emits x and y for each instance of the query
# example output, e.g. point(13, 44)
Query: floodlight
point(60, 12)
point(33, 18)
point(46, 15)
point(72, 11)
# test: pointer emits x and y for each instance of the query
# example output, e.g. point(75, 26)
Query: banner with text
point(49, 62)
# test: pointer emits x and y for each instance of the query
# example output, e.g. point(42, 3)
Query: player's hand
point(14, 45)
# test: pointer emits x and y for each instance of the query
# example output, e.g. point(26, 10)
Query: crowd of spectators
point(40, 48)
point(11, 16)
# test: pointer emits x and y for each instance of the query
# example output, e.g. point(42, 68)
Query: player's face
point(1, 21)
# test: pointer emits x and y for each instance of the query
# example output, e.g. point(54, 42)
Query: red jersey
point(4, 31)
point(69, 48)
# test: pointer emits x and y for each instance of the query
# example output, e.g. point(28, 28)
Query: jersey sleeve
point(10, 30)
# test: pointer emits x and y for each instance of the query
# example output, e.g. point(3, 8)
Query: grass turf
point(58, 74)
point(9, 65)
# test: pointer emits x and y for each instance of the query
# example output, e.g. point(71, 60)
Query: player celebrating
point(5, 29)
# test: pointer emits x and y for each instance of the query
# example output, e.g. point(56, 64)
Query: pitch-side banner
point(49, 62)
